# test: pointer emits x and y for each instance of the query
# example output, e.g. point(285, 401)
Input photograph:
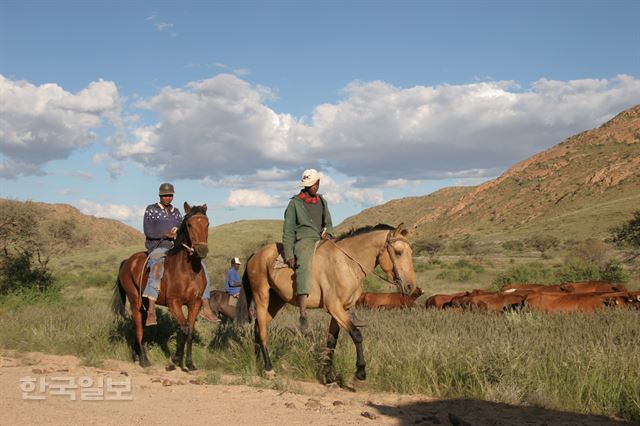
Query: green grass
point(578, 362)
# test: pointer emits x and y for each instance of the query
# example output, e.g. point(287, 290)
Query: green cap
point(166, 189)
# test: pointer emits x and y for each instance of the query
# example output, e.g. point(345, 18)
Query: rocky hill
point(62, 228)
point(577, 189)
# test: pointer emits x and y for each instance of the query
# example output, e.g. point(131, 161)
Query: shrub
point(591, 251)
point(429, 247)
point(513, 245)
point(17, 271)
point(530, 273)
point(542, 243)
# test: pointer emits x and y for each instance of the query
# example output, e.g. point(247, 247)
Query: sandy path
point(161, 397)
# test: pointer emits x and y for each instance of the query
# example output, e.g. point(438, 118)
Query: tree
point(628, 235)
point(430, 246)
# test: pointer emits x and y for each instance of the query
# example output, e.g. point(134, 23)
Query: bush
point(572, 270)
point(514, 245)
point(429, 247)
point(542, 243)
point(591, 251)
point(17, 272)
point(530, 273)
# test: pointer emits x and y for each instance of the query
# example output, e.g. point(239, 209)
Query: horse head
point(396, 260)
point(194, 231)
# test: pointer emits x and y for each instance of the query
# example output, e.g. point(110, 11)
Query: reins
point(189, 249)
point(387, 245)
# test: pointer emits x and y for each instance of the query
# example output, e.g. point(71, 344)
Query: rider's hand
point(291, 263)
point(326, 236)
point(171, 235)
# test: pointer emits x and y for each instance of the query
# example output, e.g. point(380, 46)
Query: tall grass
point(578, 362)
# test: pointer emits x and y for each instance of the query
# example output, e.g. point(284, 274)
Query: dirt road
point(123, 393)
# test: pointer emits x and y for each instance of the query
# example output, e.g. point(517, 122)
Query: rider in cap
point(306, 221)
point(161, 222)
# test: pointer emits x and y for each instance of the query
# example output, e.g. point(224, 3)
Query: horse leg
point(263, 317)
point(139, 347)
point(342, 318)
point(194, 308)
point(176, 311)
point(332, 340)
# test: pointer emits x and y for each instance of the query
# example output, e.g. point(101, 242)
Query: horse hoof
point(170, 367)
point(269, 374)
point(144, 363)
point(191, 367)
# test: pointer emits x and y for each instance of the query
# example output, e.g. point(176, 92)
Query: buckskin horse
point(182, 284)
point(339, 267)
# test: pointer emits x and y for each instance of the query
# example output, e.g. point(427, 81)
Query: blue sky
point(100, 102)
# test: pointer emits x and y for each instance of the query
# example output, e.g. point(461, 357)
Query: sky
point(101, 102)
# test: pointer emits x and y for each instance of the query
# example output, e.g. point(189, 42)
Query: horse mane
point(182, 231)
point(364, 230)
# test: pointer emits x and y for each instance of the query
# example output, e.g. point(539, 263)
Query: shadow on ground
point(482, 413)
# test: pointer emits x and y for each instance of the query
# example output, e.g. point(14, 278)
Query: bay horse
point(182, 284)
point(338, 270)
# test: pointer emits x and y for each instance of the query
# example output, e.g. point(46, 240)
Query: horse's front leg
point(356, 336)
point(194, 309)
point(176, 311)
point(332, 340)
point(139, 350)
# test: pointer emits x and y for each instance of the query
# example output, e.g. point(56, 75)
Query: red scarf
point(308, 198)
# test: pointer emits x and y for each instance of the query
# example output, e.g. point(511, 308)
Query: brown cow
point(592, 286)
point(487, 301)
point(442, 301)
point(510, 288)
point(571, 302)
point(389, 300)
point(463, 300)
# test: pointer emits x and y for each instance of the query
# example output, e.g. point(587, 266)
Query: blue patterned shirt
point(158, 220)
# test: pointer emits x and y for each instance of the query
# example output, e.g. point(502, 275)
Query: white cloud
point(220, 130)
point(162, 26)
point(112, 211)
point(80, 174)
point(43, 123)
point(250, 198)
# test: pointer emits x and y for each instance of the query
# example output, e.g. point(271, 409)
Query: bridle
point(191, 248)
point(388, 245)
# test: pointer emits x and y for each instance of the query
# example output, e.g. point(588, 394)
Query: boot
point(207, 313)
point(302, 302)
point(151, 314)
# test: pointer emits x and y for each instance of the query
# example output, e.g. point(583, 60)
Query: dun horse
point(182, 284)
point(223, 305)
point(339, 267)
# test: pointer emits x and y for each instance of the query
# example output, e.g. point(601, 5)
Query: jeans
point(156, 257)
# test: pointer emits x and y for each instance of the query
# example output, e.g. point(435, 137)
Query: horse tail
point(243, 314)
point(119, 297)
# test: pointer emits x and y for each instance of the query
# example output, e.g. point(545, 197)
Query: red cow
point(593, 286)
point(571, 302)
point(389, 300)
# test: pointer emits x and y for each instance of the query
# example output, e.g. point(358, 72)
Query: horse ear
point(204, 207)
point(187, 207)
point(400, 230)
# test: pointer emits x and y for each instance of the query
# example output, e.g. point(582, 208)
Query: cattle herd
point(571, 297)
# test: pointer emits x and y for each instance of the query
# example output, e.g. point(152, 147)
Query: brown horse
point(223, 305)
point(339, 267)
point(182, 284)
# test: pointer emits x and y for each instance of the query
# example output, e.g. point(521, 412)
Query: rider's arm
point(289, 231)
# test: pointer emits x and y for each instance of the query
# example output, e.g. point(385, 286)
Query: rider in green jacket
point(306, 221)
